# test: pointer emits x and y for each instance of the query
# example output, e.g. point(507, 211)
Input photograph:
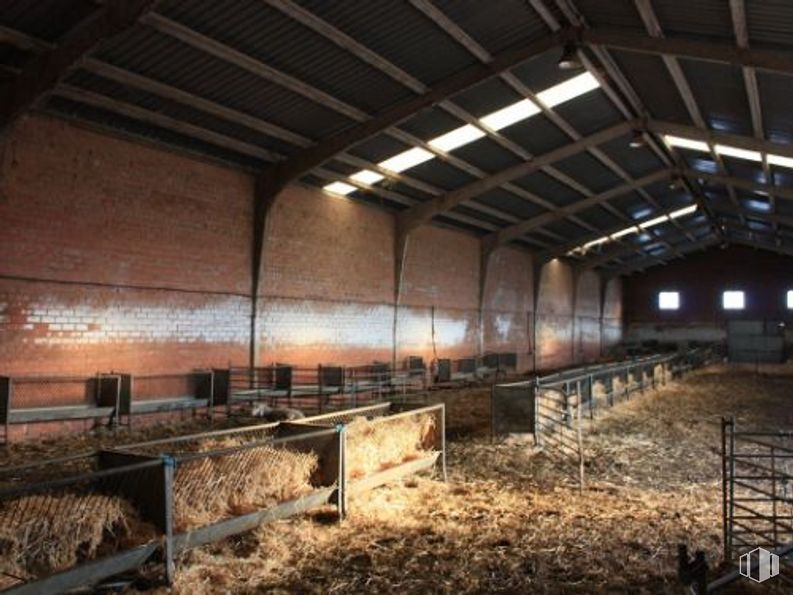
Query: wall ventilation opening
point(669, 300)
point(733, 300)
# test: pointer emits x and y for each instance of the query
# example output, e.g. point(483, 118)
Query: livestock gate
point(757, 493)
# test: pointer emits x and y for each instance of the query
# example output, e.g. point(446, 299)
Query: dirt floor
point(510, 520)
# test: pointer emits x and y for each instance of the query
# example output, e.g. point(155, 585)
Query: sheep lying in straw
point(374, 446)
point(210, 489)
point(275, 413)
point(45, 533)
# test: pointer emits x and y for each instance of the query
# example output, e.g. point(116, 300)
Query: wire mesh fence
point(164, 386)
point(55, 525)
point(30, 392)
point(554, 407)
point(203, 441)
point(236, 480)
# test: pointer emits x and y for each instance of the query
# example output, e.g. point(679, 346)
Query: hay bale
point(210, 489)
point(46, 533)
point(374, 446)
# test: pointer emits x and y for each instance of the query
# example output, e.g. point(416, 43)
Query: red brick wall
point(587, 318)
point(764, 276)
point(439, 302)
point(327, 289)
point(508, 303)
point(118, 256)
point(612, 313)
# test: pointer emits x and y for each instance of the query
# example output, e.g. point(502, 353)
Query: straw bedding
point(511, 521)
point(45, 533)
point(380, 444)
point(210, 489)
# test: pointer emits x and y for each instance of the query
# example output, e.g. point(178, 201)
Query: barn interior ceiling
point(622, 134)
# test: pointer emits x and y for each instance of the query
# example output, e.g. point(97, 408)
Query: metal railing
point(757, 489)
point(514, 406)
point(162, 497)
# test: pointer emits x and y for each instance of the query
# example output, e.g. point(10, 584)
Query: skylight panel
point(780, 160)
point(570, 89)
point(624, 232)
point(686, 143)
point(457, 138)
point(367, 176)
point(594, 243)
point(406, 159)
point(341, 188)
point(510, 114)
point(654, 222)
point(683, 212)
point(738, 153)
point(758, 205)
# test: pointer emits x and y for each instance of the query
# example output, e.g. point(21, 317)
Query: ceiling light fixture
point(637, 140)
point(569, 59)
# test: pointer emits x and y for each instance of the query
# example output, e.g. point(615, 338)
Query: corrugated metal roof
point(486, 97)
point(537, 135)
point(770, 21)
point(178, 111)
point(651, 81)
point(430, 123)
point(614, 13)
point(542, 72)
point(720, 93)
point(113, 122)
point(163, 58)
point(509, 203)
point(702, 18)
point(548, 188)
point(405, 36)
point(505, 23)
point(590, 112)
point(487, 155)
point(585, 167)
point(45, 19)
point(399, 33)
point(268, 35)
point(775, 93)
point(440, 174)
point(636, 161)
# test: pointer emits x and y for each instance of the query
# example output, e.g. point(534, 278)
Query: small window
point(733, 300)
point(668, 300)
point(790, 299)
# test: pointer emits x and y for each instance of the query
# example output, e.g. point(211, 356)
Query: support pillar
point(264, 196)
point(604, 284)
point(536, 282)
point(486, 250)
point(401, 239)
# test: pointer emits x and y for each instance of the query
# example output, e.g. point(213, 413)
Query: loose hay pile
point(207, 490)
point(512, 522)
point(382, 443)
point(46, 533)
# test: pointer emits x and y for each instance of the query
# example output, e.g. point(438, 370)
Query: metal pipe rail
point(514, 405)
point(162, 480)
